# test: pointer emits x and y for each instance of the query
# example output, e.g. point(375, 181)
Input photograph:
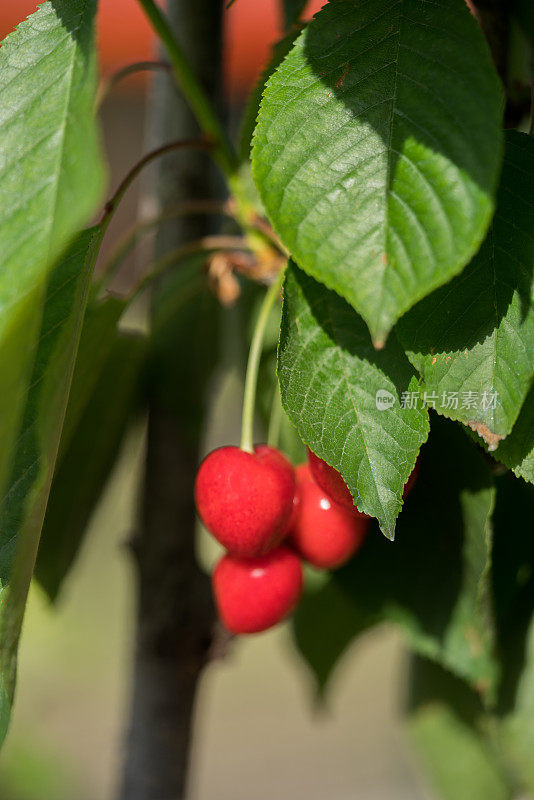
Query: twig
point(192, 89)
point(113, 202)
point(131, 237)
point(108, 84)
point(205, 244)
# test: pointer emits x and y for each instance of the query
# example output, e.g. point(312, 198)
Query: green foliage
point(446, 723)
point(433, 582)
point(23, 504)
point(377, 154)
point(279, 52)
point(517, 450)
point(476, 334)
point(51, 181)
point(376, 159)
point(460, 763)
point(90, 453)
point(468, 751)
point(51, 177)
point(330, 375)
point(518, 733)
point(98, 340)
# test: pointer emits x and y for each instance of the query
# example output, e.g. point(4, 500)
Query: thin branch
point(131, 237)
point(210, 124)
point(192, 89)
point(205, 244)
point(113, 202)
point(108, 84)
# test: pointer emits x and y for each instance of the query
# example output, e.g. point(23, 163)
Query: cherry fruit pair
point(251, 502)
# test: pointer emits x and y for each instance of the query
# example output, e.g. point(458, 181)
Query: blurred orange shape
point(124, 36)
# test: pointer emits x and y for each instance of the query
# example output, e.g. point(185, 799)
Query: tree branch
point(176, 618)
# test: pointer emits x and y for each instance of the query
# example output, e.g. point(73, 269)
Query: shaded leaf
point(23, 504)
point(433, 582)
point(376, 159)
point(518, 727)
point(446, 724)
point(467, 751)
point(517, 450)
point(330, 378)
point(473, 340)
point(90, 454)
point(51, 177)
point(98, 340)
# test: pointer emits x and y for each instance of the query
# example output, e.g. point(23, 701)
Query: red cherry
point(323, 532)
point(246, 499)
point(331, 482)
point(253, 594)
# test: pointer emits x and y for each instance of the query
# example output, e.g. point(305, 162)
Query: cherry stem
point(108, 84)
point(275, 418)
point(251, 379)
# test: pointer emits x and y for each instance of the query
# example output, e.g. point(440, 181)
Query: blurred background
point(257, 733)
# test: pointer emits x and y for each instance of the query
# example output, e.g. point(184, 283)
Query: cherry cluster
point(269, 517)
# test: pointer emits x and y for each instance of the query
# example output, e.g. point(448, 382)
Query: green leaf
point(473, 340)
point(89, 439)
point(23, 504)
point(279, 52)
point(330, 379)
point(518, 727)
point(375, 155)
point(455, 752)
point(513, 581)
point(98, 340)
point(90, 455)
point(51, 177)
point(459, 761)
point(468, 752)
point(517, 450)
point(433, 582)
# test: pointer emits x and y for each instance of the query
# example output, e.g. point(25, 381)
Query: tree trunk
point(175, 619)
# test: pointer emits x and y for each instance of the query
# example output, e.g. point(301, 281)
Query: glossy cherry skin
point(324, 533)
point(246, 499)
point(253, 594)
point(331, 482)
